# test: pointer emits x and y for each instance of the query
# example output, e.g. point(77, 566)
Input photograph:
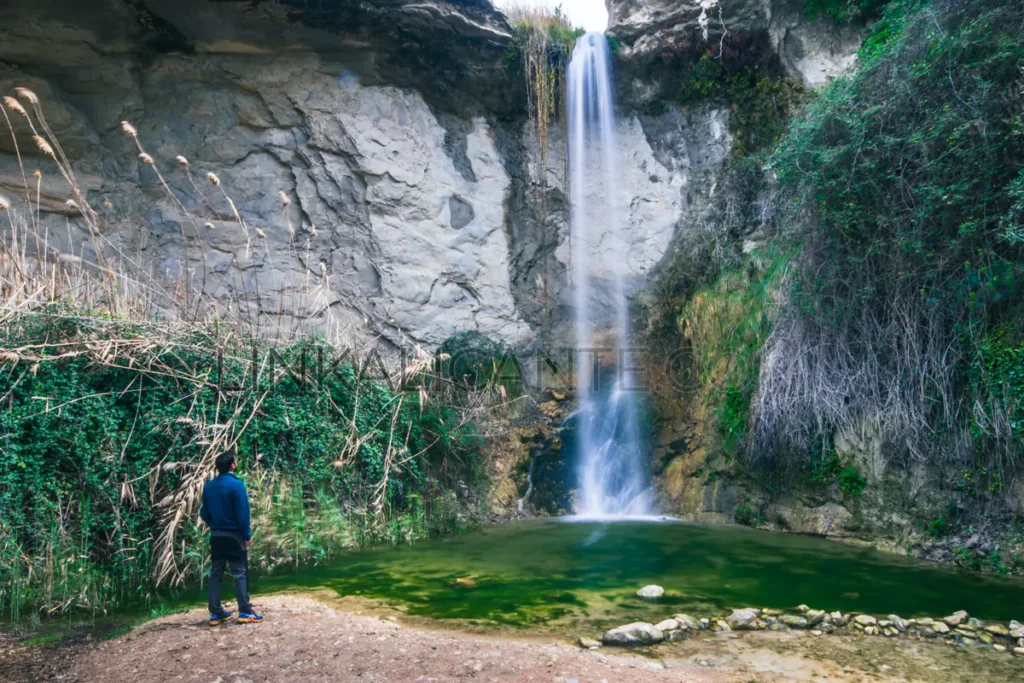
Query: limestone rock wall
point(413, 202)
point(653, 32)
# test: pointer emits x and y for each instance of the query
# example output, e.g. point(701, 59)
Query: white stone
point(651, 591)
point(637, 633)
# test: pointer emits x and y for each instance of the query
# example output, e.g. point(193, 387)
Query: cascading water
point(612, 468)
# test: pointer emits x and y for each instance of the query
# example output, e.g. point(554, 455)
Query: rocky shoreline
point(958, 628)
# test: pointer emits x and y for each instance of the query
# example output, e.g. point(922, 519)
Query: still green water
point(553, 574)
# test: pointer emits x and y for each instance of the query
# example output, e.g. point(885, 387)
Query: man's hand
point(248, 543)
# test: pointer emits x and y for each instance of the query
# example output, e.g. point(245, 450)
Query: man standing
point(225, 510)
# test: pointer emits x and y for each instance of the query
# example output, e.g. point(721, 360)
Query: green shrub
point(901, 184)
point(97, 447)
point(851, 483)
point(746, 516)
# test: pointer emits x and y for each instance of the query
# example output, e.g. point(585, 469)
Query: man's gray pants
point(228, 551)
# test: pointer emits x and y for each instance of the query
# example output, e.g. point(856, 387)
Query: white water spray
point(612, 468)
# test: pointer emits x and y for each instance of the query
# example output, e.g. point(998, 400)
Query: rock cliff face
point(656, 32)
point(394, 135)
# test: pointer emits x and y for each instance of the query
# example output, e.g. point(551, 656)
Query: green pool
point(554, 574)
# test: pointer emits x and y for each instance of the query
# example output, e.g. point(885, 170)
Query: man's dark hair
point(224, 462)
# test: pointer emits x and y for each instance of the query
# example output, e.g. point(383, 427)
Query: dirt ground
point(304, 639)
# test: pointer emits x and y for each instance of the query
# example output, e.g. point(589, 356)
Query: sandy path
point(303, 640)
point(307, 640)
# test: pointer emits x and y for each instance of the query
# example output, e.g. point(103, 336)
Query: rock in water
point(637, 633)
point(651, 591)
point(955, 619)
point(743, 619)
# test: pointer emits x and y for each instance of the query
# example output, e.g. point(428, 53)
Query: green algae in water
point(554, 573)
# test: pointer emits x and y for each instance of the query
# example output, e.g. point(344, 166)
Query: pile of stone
point(958, 628)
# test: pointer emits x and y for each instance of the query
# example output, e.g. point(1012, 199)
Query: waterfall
point(612, 469)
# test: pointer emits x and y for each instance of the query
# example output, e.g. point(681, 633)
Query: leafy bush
point(901, 182)
point(108, 428)
point(745, 515)
point(473, 360)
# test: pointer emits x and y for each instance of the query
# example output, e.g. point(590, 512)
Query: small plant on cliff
point(851, 483)
point(761, 100)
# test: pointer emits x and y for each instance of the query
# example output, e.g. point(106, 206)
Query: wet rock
point(651, 591)
point(815, 617)
point(770, 621)
point(794, 621)
point(838, 618)
point(940, 628)
point(998, 630)
point(955, 619)
point(703, 624)
point(975, 623)
point(865, 620)
point(1016, 629)
point(870, 630)
point(720, 626)
point(986, 638)
point(771, 612)
point(802, 609)
point(667, 625)
point(778, 627)
point(676, 636)
point(686, 621)
point(827, 628)
point(999, 648)
point(743, 619)
point(637, 633)
point(890, 632)
point(899, 623)
point(588, 643)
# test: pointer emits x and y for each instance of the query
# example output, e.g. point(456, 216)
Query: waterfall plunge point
point(612, 465)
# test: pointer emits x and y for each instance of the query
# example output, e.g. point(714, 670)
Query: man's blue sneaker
point(218, 619)
point(249, 618)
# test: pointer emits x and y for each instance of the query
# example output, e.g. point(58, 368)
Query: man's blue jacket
point(226, 505)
